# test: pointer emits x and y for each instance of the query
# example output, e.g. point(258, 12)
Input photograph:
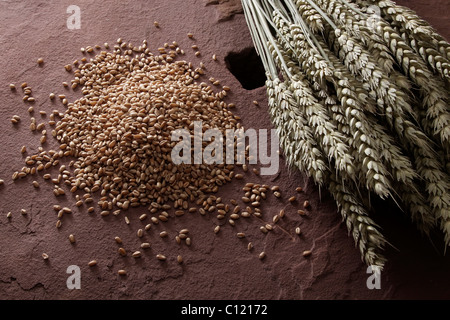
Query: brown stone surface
point(215, 266)
point(226, 9)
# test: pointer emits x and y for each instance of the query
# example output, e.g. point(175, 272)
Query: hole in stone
point(247, 67)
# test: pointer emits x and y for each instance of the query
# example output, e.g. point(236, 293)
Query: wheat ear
point(436, 118)
point(310, 15)
point(296, 138)
point(363, 229)
point(325, 133)
point(434, 49)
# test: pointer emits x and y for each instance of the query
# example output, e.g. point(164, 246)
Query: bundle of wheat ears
point(358, 93)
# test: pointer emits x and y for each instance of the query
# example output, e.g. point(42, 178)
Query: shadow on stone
point(247, 67)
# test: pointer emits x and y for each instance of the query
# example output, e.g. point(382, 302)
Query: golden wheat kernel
point(262, 255)
point(40, 61)
point(163, 218)
point(35, 184)
point(65, 84)
point(23, 211)
point(161, 257)
point(179, 259)
point(239, 176)
point(188, 241)
point(92, 263)
point(140, 233)
point(307, 253)
point(142, 216)
point(147, 227)
point(121, 272)
point(127, 221)
point(190, 35)
point(72, 238)
point(306, 204)
point(116, 212)
point(269, 227)
point(90, 209)
point(163, 234)
point(245, 214)
point(244, 167)
point(145, 245)
point(179, 213)
point(282, 213)
point(297, 230)
point(156, 24)
point(216, 229)
point(214, 57)
point(105, 213)
point(277, 194)
point(182, 236)
point(122, 251)
point(231, 222)
point(136, 254)
point(12, 86)
point(240, 235)
point(66, 210)
point(51, 96)
point(275, 218)
point(263, 229)
point(9, 215)
point(58, 223)
point(45, 256)
point(292, 199)
point(184, 231)
point(301, 212)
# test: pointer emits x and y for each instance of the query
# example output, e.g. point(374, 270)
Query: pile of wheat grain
point(119, 131)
